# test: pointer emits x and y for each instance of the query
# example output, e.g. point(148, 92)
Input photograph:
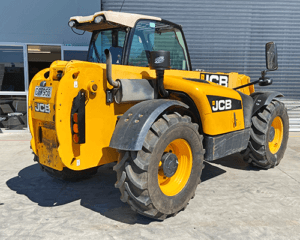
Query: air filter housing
point(160, 60)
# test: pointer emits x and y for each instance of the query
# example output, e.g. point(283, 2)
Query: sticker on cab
point(152, 24)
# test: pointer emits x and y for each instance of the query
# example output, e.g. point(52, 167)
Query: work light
point(98, 19)
point(72, 23)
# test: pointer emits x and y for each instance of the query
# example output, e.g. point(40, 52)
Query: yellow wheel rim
point(275, 144)
point(173, 185)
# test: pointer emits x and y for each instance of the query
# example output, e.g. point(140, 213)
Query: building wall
point(29, 23)
point(230, 36)
point(35, 21)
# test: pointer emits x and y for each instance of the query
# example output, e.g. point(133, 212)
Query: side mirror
point(271, 56)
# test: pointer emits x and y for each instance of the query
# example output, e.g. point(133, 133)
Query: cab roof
point(112, 20)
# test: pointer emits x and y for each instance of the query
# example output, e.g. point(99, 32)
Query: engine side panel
point(220, 108)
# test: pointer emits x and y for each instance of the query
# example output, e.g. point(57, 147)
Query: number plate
point(44, 92)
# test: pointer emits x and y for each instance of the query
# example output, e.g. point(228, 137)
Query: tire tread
point(256, 152)
point(132, 167)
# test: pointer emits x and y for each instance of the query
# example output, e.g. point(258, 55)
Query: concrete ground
point(234, 201)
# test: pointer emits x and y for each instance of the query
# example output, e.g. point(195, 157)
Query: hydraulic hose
point(115, 84)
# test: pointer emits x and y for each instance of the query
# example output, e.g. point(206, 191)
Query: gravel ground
point(234, 201)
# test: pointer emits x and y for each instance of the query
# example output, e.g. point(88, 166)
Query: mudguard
point(263, 99)
point(133, 126)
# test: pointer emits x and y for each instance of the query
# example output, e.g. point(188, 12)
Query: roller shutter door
point(229, 36)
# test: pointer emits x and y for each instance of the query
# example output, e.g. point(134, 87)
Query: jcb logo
point(221, 105)
point(41, 107)
point(219, 79)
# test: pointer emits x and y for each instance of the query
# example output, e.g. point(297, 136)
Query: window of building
point(13, 112)
point(12, 69)
point(75, 55)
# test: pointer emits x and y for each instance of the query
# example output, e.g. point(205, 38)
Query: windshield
point(150, 36)
point(113, 40)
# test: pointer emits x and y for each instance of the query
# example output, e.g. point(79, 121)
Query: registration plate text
point(44, 92)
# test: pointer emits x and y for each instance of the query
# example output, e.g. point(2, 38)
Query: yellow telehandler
point(137, 102)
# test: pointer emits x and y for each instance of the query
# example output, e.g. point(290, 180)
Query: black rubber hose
point(108, 70)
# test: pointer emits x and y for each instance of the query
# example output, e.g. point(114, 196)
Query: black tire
point(258, 152)
point(137, 171)
point(67, 174)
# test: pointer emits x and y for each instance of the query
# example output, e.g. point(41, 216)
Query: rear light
point(78, 118)
point(75, 117)
point(75, 128)
point(75, 138)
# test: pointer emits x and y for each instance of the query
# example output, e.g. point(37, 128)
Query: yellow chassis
point(51, 132)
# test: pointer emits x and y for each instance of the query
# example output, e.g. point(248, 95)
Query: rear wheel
point(269, 136)
point(159, 180)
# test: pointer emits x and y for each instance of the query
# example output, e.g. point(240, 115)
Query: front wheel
point(160, 179)
point(268, 137)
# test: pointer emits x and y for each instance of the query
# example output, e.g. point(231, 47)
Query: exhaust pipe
point(128, 90)
point(115, 84)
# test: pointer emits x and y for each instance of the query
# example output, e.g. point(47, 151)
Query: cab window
point(153, 36)
point(113, 40)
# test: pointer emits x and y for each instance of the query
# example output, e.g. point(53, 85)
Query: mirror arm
point(263, 81)
point(264, 73)
point(248, 84)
